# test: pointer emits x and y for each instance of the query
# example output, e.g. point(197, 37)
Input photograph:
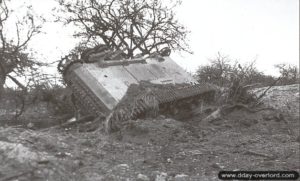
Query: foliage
point(14, 57)
point(56, 97)
point(46, 88)
point(236, 79)
point(289, 74)
point(40, 90)
point(132, 26)
point(222, 71)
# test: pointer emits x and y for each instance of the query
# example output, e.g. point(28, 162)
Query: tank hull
point(99, 86)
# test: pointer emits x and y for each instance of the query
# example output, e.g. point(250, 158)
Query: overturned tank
point(106, 84)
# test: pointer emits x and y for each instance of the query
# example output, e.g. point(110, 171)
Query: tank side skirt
point(86, 97)
point(96, 88)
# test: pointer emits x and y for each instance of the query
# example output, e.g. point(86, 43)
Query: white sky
point(243, 29)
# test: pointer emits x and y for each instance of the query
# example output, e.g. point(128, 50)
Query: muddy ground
point(156, 149)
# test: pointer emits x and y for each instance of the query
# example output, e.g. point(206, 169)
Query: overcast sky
point(243, 29)
point(266, 30)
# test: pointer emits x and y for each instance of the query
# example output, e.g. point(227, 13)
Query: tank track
point(169, 99)
point(179, 103)
point(172, 100)
point(144, 105)
point(87, 100)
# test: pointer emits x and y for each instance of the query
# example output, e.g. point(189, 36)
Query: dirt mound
point(284, 98)
point(151, 131)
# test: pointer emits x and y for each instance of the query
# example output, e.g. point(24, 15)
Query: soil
point(157, 149)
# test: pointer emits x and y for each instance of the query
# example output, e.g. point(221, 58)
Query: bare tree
point(289, 73)
point(223, 71)
point(218, 72)
point(132, 26)
point(14, 60)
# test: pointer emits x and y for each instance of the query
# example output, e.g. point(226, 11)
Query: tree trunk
point(19, 84)
point(2, 82)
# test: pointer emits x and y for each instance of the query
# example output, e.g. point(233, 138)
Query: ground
point(158, 149)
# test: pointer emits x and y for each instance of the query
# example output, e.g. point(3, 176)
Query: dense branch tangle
point(14, 60)
point(133, 26)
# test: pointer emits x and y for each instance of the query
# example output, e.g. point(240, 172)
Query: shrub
point(222, 71)
point(289, 74)
point(57, 98)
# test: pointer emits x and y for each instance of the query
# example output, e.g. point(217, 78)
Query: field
point(155, 149)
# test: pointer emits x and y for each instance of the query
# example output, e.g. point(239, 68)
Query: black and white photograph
point(149, 90)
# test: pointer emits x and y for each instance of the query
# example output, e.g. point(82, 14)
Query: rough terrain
point(157, 149)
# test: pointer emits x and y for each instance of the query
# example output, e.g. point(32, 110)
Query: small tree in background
point(236, 78)
point(14, 56)
point(289, 74)
point(222, 71)
point(132, 26)
point(218, 72)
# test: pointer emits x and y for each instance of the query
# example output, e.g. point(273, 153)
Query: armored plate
point(100, 85)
